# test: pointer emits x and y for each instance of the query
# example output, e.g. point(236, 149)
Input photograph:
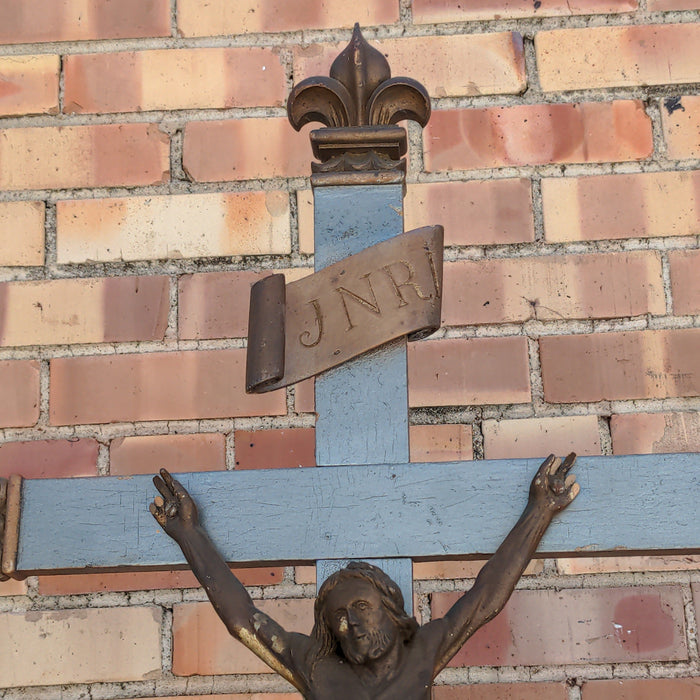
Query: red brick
point(539, 437)
point(429, 11)
point(29, 84)
point(12, 587)
point(72, 584)
point(502, 691)
point(548, 288)
point(97, 310)
point(27, 249)
point(573, 626)
point(685, 281)
point(447, 66)
point(245, 149)
point(498, 211)
point(49, 459)
point(156, 386)
point(610, 366)
point(19, 380)
point(479, 371)
point(593, 132)
point(203, 646)
point(104, 155)
point(440, 443)
point(653, 433)
point(80, 646)
point(144, 454)
point(214, 17)
point(173, 226)
point(304, 399)
point(77, 20)
point(598, 57)
point(273, 449)
point(646, 689)
point(668, 5)
point(454, 568)
point(636, 205)
point(169, 79)
point(681, 125)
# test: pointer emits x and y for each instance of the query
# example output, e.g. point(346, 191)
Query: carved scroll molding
point(359, 103)
point(389, 290)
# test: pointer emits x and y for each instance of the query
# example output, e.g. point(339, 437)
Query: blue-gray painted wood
point(634, 503)
point(362, 406)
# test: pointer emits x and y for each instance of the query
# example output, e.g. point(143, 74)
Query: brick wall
point(148, 175)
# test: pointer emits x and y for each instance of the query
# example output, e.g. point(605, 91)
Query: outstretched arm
point(551, 491)
point(176, 512)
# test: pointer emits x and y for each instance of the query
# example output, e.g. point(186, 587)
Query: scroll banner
point(389, 290)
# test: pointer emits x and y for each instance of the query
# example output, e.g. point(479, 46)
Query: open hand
point(174, 509)
point(553, 488)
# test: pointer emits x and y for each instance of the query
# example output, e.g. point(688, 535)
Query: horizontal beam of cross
point(635, 504)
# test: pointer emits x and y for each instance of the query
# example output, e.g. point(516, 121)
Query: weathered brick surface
point(606, 565)
point(649, 433)
point(107, 309)
point(603, 625)
point(145, 454)
point(451, 569)
point(51, 459)
point(494, 137)
point(549, 288)
point(245, 149)
point(179, 226)
point(637, 205)
point(681, 124)
point(12, 587)
point(157, 386)
point(647, 689)
point(204, 17)
point(73, 20)
point(502, 691)
point(173, 79)
point(21, 233)
point(440, 443)
point(80, 646)
point(29, 84)
point(539, 437)
point(658, 364)
point(685, 281)
point(448, 66)
point(595, 57)
point(429, 11)
point(669, 5)
point(19, 380)
point(102, 155)
point(272, 449)
point(203, 646)
point(475, 371)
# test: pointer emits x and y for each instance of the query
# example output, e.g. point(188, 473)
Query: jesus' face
point(359, 621)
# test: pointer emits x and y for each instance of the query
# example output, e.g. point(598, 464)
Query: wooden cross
point(372, 504)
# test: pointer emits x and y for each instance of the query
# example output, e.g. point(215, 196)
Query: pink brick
point(245, 149)
point(600, 57)
point(145, 454)
point(156, 386)
point(440, 443)
point(19, 380)
point(29, 84)
point(610, 366)
point(685, 281)
point(502, 691)
point(79, 20)
point(203, 78)
point(272, 449)
point(451, 569)
point(606, 565)
point(592, 132)
point(653, 433)
point(681, 123)
point(84, 310)
point(548, 288)
point(669, 5)
point(304, 396)
point(28, 248)
point(101, 155)
point(573, 626)
point(50, 459)
point(646, 689)
point(203, 646)
point(539, 437)
point(455, 371)
point(214, 17)
point(12, 587)
point(636, 205)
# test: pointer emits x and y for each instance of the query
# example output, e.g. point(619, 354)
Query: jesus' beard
point(379, 643)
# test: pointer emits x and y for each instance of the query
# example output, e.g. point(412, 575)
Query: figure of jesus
point(363, 645)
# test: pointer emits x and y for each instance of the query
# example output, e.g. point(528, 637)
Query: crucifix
point(374, 286)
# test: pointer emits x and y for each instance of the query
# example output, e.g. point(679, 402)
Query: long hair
point(323, 641)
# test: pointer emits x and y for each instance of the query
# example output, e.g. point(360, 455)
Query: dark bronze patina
point(363, 645)
point(359, 103)
point(10, 492)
